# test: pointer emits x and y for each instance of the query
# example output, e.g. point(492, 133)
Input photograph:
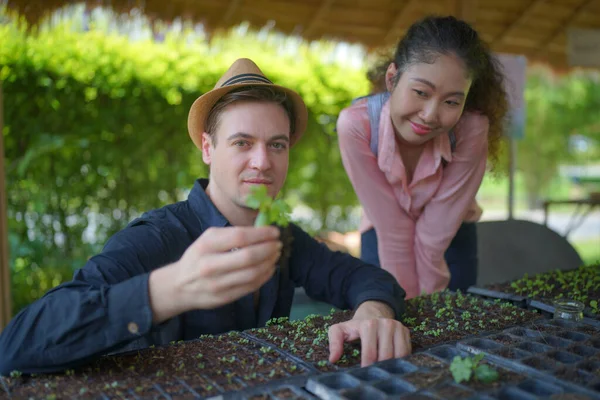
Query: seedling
point(270, 211)
point(16, 374)
point(463, 369)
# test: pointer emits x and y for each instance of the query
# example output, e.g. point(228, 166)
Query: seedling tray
point(581, 284)
point(289, 389)
point(516, 300)
point(227, 363)
point(426, 375)
point(306, 342)
point(568, 352)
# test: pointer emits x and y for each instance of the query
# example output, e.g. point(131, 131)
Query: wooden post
point(5, 297)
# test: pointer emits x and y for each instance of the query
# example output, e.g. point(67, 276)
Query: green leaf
point(253, 203)
point(486, 374)
point(258, 196)
point(261, 220)
point(271, 211)
point(461, 368)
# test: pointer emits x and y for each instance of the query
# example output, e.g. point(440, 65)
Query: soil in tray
point(422, 380)
point(425, 361)
point(309, 341)
point(432, 319)
point(509, 353)
point(545, 328)
point(506, 340)
point(285, 394)
point(450, 391)
point(446, 317)
point(208, 366)
point(542, 364)
point(573, 375)
point(582, 284)
point(591, 366)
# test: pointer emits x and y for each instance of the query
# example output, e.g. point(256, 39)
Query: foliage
point(463, 369)
point(271, 211)
point(557, 109)
point(95, 133)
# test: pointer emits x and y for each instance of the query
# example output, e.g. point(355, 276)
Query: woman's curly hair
point(433, 36)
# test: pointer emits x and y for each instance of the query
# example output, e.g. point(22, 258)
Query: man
point(199, 266)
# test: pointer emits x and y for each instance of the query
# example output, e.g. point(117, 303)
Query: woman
point(418, 174)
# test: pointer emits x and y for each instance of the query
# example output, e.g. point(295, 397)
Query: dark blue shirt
point(106, 308)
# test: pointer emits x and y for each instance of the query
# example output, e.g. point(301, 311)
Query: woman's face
point(428, 99)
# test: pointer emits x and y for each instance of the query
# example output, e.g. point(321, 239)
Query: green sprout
point(594, 306)
point(270, 211)
point(15, 374)
point(463, 369)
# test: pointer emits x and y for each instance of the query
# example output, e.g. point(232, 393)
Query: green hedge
point(95, 133)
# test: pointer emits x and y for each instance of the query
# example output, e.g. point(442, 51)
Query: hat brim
point(203, 105)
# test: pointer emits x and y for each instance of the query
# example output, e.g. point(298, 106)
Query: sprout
point(270, 211)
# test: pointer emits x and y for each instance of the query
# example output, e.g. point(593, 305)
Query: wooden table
point(583, 208)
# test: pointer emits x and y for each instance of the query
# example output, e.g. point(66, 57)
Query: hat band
point(242, 78)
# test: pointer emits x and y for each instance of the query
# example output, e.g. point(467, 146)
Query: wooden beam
point(517, 21)
point(464, 9)
point(5, 297)
point(400, 20)
point(231, 9)
point(563, 25)
point(323, 9)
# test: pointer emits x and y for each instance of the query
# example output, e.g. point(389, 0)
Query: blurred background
point(96, 95)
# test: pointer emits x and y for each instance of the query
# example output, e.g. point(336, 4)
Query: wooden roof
point(534, 28)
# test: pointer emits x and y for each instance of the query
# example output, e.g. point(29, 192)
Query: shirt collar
point(441, 147)
point(203, 207)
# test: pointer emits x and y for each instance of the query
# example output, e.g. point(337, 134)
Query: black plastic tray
point(272, 391)
point(392, 379)
point(4, 386)
point(557, 350)
point(525, 302)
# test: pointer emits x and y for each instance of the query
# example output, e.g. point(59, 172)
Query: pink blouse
point(415, 222)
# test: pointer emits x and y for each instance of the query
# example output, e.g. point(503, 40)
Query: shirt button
point(133, 328)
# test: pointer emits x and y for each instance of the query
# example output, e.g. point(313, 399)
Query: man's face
point(252, 148)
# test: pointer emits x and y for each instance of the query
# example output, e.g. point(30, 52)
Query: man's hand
point(381, 336)
point(210, 274)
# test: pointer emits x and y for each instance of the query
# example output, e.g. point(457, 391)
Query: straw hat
point(243, 72)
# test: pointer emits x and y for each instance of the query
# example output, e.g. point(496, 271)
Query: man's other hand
point(381, 336)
